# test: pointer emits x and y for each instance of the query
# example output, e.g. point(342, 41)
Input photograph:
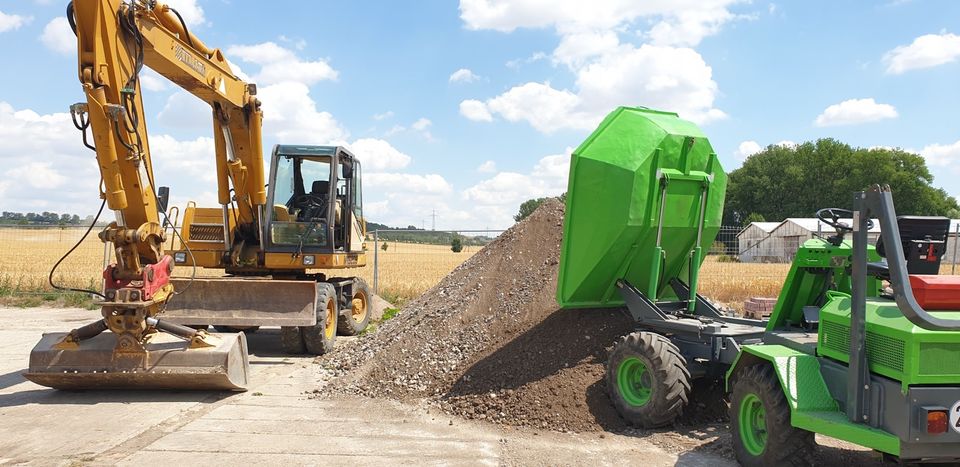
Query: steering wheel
point(310, 206)
point(832, 216)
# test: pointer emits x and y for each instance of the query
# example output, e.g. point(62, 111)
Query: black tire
point(291, 340)
point(782, 443)
point(243, 329)
point(355, 315)
point(320, 338)
point(647, 380)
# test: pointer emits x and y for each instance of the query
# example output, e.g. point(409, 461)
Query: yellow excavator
point(265, 237)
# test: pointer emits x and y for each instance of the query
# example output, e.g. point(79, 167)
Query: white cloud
point(279, 64)
point(463, 75)
point(576, 49)
point(377, 155)
point(421, 124)
point(152, 81)
point(517, 62)
point(487, 167)
point(539, 104)
point(290, 115)
point(689, 27)
point(409, 183)
point(577, 15)
point(10, 22)
point(58, 37)
point(786, 143)
point(855, 111)
point(926, 51)
point(667, 78)
point(191, 12)
point(942, 155)
point(191, 160)
point(475, 110)
point(396, 129)
point(184, 111)
point(47, 168)
point(496, 199)
point(383, 116)
point(747, 149)
point(38, 175)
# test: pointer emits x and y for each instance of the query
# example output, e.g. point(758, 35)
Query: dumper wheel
point(647, 379)
point(243, 329)
point(320, 337)
point(355, 317)
point(760, 418)
point(291, 340)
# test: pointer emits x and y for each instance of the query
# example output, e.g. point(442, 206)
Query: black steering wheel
point(832, 216)
point(311, 206)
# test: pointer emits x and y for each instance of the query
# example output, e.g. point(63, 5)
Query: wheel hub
point(634, 381)
point(753, 424)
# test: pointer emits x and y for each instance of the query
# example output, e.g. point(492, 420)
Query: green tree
point(528, 207)
point(456, 245)
point(782, 181)
point(754, 217)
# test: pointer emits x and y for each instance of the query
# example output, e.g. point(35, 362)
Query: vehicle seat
point(924, 242)
point(281, 214)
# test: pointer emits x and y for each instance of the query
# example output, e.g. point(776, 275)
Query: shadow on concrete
point(93, 397)
point(12, 379)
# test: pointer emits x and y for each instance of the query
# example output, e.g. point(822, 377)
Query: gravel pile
point(490, 342)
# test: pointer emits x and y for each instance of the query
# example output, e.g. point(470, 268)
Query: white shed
point(754, 244)
point(782, 242)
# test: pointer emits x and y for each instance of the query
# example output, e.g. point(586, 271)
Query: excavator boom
point(115, 39)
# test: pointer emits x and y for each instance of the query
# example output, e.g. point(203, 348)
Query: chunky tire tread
point(314, 337)
point(291, 340)
point(671, 385)
point(785, 445)
point(346, 325)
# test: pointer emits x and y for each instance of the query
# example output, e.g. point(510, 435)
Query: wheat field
point(406, 269)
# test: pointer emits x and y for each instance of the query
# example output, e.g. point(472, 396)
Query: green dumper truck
point(850, 351)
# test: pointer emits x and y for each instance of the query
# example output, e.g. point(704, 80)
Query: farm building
point(778, 242)
point(783, 240)
point(753, 244)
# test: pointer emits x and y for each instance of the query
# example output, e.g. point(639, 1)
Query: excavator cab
point(315, 199)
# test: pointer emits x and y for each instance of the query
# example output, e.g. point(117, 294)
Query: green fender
point(811, 406)
point(799, 375)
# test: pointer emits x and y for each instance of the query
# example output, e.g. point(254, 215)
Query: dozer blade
point(167, 364)
point(242, 302)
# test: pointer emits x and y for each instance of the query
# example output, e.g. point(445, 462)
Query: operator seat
point(924, 242)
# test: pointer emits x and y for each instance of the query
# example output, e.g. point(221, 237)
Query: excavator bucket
point(167, 363)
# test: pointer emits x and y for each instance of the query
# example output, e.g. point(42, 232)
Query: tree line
point(785, 181)
point(43, 218)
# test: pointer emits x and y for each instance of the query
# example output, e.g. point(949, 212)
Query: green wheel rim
point(634, 382)
point(753, 424)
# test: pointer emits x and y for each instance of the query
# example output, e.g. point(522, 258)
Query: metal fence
point(410, 260)
point(400, 263)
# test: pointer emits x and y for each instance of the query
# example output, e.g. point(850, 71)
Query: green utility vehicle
point(849, 351)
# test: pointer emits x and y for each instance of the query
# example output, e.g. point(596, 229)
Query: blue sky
point(470, 108)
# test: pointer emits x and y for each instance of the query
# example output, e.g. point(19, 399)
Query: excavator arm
point(115, 40)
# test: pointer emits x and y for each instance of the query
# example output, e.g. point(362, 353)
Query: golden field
point(406, 270)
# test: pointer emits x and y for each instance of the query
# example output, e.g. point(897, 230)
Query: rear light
point(937, 421)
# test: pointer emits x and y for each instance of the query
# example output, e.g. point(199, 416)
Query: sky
point(464, 110)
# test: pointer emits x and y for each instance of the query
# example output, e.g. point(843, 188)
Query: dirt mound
point(490, 342)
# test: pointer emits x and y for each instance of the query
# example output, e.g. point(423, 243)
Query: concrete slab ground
point(273, 423)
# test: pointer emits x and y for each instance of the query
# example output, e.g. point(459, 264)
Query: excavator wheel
point(647, 379)
point(356, 315)
point(319, 338)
